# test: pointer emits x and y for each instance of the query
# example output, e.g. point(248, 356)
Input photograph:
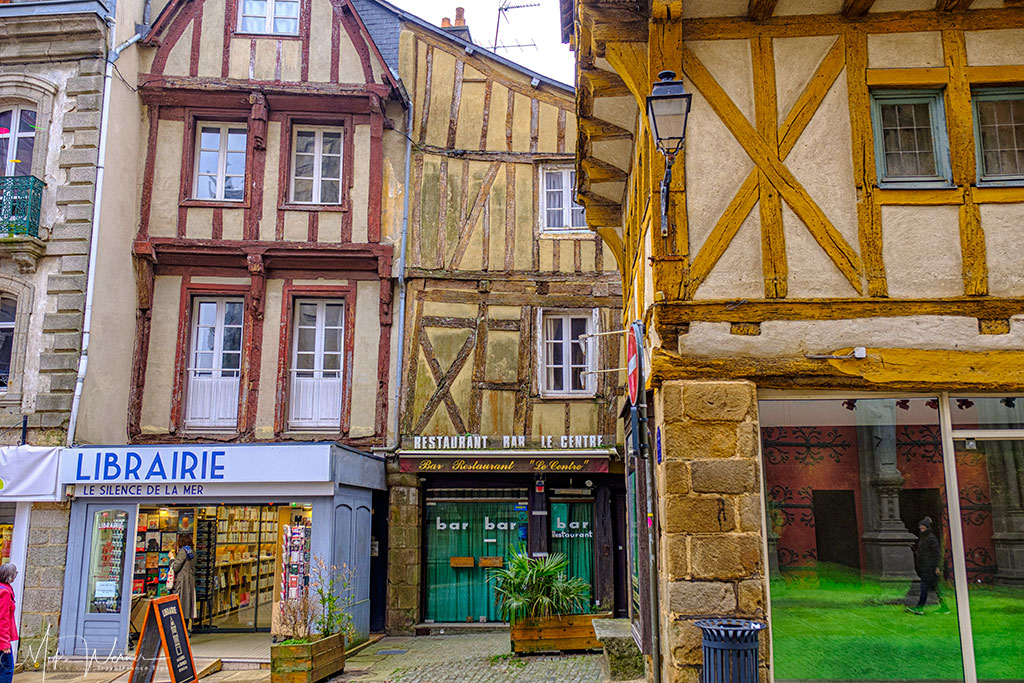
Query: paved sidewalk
point(471, 658)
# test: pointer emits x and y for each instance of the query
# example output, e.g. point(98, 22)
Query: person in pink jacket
point(8, 624)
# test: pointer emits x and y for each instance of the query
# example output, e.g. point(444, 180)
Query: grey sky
point(538, 25)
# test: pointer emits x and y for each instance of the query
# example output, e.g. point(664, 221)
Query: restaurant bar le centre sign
point(473, 453)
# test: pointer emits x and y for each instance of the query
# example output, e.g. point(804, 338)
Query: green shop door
point(572, 534)
point(465, 539)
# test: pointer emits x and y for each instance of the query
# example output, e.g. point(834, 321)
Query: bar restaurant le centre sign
point(508, 453)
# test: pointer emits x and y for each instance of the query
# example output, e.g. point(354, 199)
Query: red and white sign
point(632, 366)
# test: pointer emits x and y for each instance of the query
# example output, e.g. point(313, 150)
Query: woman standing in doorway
point(184, 568)
point(8, 623)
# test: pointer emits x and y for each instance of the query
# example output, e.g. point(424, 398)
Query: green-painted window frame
point(940, 138)
point(992, 95)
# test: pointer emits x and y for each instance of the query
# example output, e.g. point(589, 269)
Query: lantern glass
point(667, 109)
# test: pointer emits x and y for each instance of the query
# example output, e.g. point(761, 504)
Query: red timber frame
point(344, 264)
point(333, 259)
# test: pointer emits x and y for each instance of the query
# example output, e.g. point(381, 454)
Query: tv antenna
point(503, 9)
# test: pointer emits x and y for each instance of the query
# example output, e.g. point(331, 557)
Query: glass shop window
point(106, 561)
point(860, 554)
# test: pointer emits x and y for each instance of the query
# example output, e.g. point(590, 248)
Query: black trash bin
point(730, 650)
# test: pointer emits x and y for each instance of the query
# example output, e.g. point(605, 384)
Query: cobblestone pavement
point(472, 658)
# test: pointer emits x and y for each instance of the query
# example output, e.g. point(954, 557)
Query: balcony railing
point(20, 200)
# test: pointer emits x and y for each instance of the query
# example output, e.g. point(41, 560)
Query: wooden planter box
point(308, 662)
point(544, 634)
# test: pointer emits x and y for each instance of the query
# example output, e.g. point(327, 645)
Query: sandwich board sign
point(164, 629)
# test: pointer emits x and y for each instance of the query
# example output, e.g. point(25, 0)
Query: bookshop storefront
point(258, 517)
point(480, 504)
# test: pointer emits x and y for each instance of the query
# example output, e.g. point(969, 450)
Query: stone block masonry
point(711, 550)
point(44, 580)
point(404, 552)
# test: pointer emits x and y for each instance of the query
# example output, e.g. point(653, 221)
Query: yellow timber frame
point(638, 44)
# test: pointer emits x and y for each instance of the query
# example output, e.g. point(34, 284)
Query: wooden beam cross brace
point(759, 10)
point(769, 161)
point(856, 8)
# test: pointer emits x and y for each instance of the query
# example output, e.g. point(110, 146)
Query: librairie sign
point(197, 470)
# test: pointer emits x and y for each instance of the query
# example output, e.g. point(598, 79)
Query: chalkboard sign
point(164, 629)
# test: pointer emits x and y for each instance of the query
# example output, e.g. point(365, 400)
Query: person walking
point(926, 563)
point(8, 622)
point(184, 568)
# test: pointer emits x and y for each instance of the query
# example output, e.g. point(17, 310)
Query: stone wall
point(57, 68)
point(711, 550)
point(44, 580)
point(405, 544)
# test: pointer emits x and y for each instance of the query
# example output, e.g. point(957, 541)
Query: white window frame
point(13, 135)
point(222, 160)
point(12, 327)
point(568, 201)
point(268, 19)
point(216, 371)
point(332, 420)
point(590, 377)
point(317, 164)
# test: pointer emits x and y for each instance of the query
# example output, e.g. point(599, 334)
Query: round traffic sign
point(632, 366)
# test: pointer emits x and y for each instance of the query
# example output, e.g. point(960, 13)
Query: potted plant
point(546, 609)
point(318, 621)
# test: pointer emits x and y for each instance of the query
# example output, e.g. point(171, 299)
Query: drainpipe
point(396, 442)
point(97, 204)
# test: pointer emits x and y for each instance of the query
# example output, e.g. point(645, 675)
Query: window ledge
point(10, 399)
point(555, 396)
point(25, 250)
point(215, 203)
point(269, 36)
point(340, 208)
point(310, 434)
point(574, 234)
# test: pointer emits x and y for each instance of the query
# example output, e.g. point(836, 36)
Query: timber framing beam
point(759, 10)
point(954, 5)
point(856, 8)
point(675, 313)
point(893, 369)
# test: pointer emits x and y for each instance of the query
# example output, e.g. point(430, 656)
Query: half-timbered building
point(262, 324)
point(508, 434)
point(832, 297)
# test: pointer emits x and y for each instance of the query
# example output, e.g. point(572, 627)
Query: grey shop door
point(104, 598)
point(352, 526)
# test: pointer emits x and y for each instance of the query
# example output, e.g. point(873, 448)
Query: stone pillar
point(405, 557)
point(887, 543)
point(711, 554)
point(44, 581)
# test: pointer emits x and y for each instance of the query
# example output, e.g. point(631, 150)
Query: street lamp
point(668, 107)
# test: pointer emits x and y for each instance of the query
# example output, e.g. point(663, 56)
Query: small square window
point(910, 138)
point(276, 17)
point(559, 211)
point(316, 165)
point(220, 162)
point(567, 355)
point(999, 134)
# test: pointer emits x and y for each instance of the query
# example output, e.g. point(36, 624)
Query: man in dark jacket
point(927, 566)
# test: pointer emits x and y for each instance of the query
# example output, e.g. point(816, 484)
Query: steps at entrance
point(450, 628)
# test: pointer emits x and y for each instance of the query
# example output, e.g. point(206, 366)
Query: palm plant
point(530, 587)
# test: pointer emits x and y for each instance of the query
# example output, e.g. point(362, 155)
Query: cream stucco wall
point(104, 407)
point(364, 359)
point(163, 340)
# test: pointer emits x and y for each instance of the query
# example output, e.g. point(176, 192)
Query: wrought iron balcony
point(20, 200)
